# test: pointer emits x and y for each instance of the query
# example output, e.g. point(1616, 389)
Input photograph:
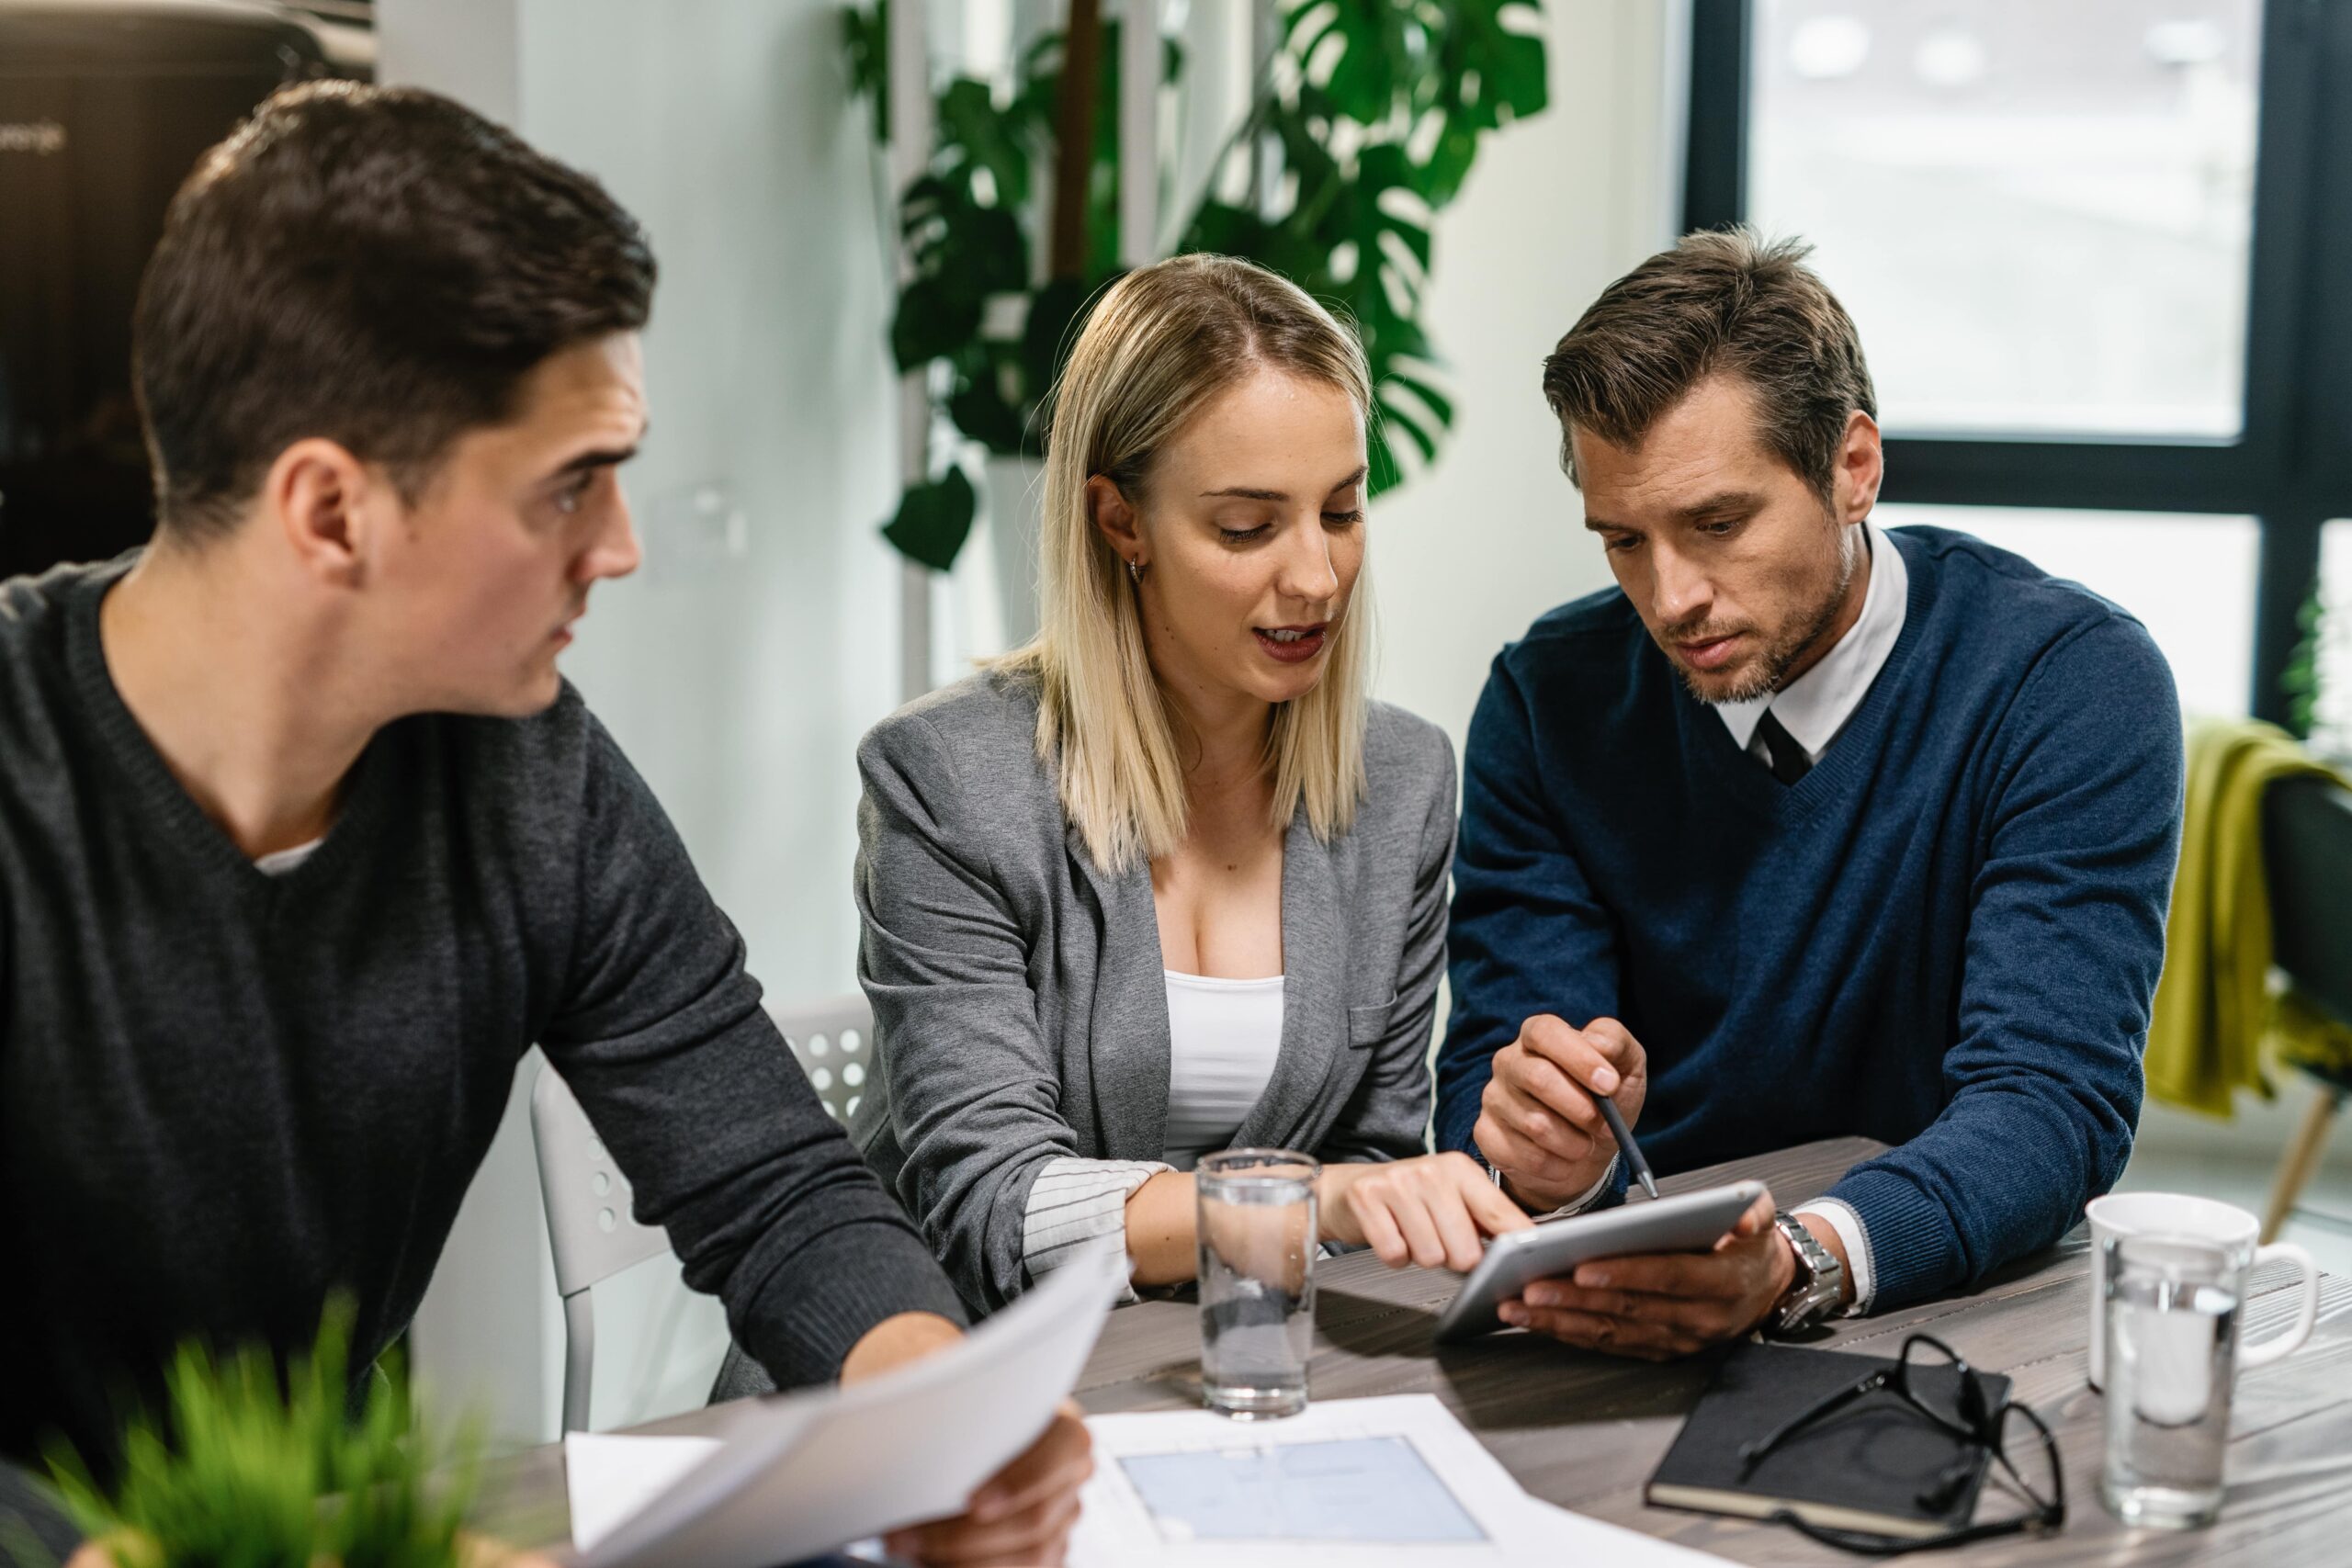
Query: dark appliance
point(105, 105)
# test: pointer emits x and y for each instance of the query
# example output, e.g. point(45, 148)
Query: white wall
point(1465, 556)
point(740, 685)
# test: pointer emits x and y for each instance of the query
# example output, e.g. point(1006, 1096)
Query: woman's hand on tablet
point(1537, 1122)
point(1435, 1210)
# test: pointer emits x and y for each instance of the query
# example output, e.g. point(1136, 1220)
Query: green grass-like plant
point(252, 1470)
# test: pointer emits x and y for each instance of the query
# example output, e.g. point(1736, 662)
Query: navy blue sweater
point(1944, 937)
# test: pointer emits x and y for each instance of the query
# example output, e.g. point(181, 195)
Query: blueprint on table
point(1363, 1489)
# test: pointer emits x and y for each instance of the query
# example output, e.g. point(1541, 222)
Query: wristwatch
point(1819, 1289)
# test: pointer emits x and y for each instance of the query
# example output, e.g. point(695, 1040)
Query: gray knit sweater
point(225, 1095)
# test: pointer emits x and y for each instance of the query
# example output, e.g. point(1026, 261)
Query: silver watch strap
point(1820, 1288)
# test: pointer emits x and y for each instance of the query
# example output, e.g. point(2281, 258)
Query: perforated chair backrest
point(590, 1227)
point(834, 1041)
point(588, 1221)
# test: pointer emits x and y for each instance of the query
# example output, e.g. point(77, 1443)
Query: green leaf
point(988, 253)
point(1401, 338)
point(971, 124)
point(1395, 416)
point(1056, 316)
point(933, 519)
point(1441, 406)
point(1439, 180)
point(1362, 82)
point(866, 35)
point(1515, 76)
point(1378, 52)
point(928, 210)
point(935, 320)
point(979, 408)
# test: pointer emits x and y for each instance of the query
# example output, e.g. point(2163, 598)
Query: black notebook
point(1860, 1469)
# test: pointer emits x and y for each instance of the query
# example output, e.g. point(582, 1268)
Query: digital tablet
point(1693, 1222)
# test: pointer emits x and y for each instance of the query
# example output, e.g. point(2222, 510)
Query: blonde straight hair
point(1163, 343)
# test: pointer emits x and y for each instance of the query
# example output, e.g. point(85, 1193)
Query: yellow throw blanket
point(2213, 1007)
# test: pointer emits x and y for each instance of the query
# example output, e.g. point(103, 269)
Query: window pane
point(2189, 579)
point(2037, 213)
point(2331, 658)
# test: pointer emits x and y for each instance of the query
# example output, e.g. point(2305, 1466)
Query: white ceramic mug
point(2205, 1219)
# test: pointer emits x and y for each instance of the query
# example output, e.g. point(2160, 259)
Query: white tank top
point(1223, 1036)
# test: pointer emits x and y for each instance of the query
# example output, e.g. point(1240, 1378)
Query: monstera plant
point(1364, 127)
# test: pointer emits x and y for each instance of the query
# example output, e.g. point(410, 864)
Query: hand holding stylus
point(1541, 1124)
point(1626, 1147)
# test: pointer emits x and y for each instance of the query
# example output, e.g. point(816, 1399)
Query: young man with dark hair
point(303, 840)
point(1806, 829)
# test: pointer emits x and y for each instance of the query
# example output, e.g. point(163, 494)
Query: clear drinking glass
point(2172, 1330)
point(1258, 1241)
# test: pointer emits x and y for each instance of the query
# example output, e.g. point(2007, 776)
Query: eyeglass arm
point(1754, 1453)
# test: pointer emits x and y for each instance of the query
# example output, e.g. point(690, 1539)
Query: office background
point(2086, 247)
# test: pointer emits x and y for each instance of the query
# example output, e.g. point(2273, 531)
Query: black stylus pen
point(1626, 1145)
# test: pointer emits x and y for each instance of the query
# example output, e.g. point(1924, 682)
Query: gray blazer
point(1020, 1007)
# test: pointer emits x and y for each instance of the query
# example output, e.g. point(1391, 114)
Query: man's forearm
point(896, 1341)
point(1990, 1180)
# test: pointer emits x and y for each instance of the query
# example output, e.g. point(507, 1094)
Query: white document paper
point(1365, 1482)
point(613, 1475)
point(792, 1476)
point(1576, 1538)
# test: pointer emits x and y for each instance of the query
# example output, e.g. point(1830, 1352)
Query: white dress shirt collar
point(1816, 706)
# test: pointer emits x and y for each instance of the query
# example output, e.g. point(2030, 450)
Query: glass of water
point(1258, 1238)
point(2172, 1330)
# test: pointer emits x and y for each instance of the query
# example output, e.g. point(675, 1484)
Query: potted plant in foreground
point(252, 1468)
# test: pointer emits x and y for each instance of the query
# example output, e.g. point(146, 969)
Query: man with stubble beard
point(1805, 829)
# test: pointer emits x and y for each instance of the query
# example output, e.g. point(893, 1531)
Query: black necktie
point(1789, 762)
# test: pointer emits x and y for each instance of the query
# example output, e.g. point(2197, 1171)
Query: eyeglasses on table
point(1938, 1384)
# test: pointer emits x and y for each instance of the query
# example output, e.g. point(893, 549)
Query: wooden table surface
point(1584, 1430)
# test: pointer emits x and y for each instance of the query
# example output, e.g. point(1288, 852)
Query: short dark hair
point(380, 267)
point(1723, 300)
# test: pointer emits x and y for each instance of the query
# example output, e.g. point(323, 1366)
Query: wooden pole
point(1074, 110)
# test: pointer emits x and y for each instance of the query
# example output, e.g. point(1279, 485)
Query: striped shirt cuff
point(1074, 1202)
point(1848, 1227)
point(1591, 1195)
point(1575, 1205)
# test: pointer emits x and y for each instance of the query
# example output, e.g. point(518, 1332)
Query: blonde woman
point(1164, 881)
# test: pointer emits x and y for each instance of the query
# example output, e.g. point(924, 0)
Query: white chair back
point(590, 1227)
point(834, 1041)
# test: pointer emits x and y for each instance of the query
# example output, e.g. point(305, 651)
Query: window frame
point(2291, 466)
